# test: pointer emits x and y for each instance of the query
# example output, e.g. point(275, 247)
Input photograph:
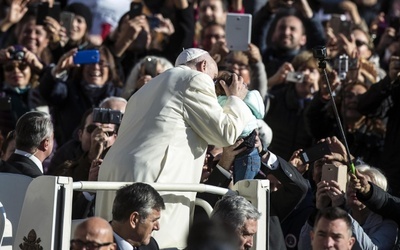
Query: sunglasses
point(360, 43)
point(110, 133)
point(89, 245)
point(11, 67)
point(90, 128)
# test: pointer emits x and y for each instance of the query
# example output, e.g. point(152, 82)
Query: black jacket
point(282, 202)
point(19, 164)
point(286, 118)
point(151, 246)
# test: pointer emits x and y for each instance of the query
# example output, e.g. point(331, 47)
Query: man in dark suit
point(34, 143)
point(293, 187)
point(136, 213)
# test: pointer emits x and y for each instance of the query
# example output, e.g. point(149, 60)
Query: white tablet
point(238, 31)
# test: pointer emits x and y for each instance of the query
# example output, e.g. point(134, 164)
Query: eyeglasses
point(89, 245)
point(11, 67)
point(360, 43)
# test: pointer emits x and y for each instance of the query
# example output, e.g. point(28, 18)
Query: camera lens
point(19, 55)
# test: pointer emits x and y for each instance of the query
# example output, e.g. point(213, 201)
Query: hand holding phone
point(335, 173)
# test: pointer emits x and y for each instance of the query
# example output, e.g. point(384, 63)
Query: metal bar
point(112, 186)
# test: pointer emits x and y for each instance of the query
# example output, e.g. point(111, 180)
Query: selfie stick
point(320, 54)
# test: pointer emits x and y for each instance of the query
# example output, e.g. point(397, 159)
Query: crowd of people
point(166, 101)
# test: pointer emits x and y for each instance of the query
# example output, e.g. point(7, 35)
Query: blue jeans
point(246, 166)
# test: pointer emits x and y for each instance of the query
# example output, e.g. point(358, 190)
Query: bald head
point(95, 230)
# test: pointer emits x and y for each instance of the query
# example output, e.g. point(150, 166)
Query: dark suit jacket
point(19, 164)
point(151, 246)
point(282, 202)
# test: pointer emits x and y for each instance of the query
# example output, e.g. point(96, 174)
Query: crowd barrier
point(37, 212)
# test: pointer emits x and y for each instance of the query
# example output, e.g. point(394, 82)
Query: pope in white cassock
point(164, 135)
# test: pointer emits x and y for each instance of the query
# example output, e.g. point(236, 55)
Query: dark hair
point(334, 213)
point(84, 117)
point(138, 197)
point(226, 76)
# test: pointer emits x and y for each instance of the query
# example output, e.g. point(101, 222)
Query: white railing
point(47, 206)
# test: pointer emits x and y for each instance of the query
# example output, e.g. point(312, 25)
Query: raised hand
point(296, 161)
point(14, 15)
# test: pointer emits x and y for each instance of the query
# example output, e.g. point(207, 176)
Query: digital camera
point(106, 116)
point(296, 77)
point(17, 53)
point(319, 52)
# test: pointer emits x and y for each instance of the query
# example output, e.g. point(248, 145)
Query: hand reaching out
point(296, 161)
point(359, 182)
point(229, 154)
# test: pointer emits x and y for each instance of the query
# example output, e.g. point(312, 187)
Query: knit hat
point(188, 55)
point(81, 10)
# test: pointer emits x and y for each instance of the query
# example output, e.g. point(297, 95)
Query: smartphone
point(346, 28)
point(154, 22)
point(238, 31)
point(339, 24)
point(315, 153)
point(136, 10)
point(150, 66)
point(87, 57)
point(44, 10)
point(66, 19)
point(55, 11)
point(336, 173)
point(296, 77)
